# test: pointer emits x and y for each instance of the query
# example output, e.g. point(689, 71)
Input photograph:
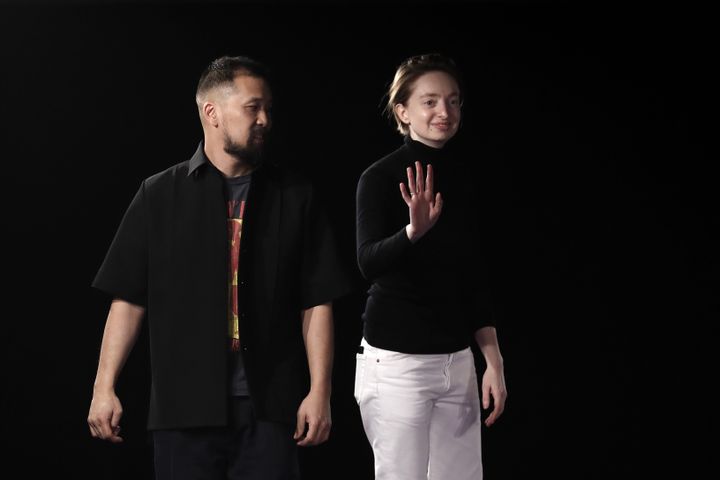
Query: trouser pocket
point(360, 361)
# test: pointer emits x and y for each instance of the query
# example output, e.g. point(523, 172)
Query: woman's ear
point(401, 113)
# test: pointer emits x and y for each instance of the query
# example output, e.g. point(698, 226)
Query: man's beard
point(251, 153)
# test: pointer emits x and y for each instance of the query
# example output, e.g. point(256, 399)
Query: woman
point(417, 239)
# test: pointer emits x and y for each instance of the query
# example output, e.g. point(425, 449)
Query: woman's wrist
point(411, 233)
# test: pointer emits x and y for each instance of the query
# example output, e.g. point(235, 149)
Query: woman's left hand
point(424, 205)
point(493, 385)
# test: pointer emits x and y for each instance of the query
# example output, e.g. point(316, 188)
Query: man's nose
point(263, 117)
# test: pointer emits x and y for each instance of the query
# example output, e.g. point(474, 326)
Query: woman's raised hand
point(424, 205)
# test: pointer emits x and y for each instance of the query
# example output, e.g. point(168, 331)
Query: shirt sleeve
point(123, 273)
point(323, 276)
point(481, 293)
point(379, 246)
point(484, 314)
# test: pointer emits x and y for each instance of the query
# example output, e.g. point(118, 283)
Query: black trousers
point(248, 449)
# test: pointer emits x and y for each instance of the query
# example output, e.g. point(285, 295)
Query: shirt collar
point(425, 153)
point(198, 159)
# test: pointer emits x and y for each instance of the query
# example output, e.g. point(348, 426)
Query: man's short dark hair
point(223, 70)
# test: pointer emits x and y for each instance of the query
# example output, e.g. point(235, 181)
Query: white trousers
point(421, 414)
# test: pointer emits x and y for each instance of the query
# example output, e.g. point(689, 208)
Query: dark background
point(591, 127)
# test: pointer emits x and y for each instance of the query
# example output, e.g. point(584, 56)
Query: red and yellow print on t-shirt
point(234, 223)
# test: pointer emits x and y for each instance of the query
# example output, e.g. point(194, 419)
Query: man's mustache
point(258, 132)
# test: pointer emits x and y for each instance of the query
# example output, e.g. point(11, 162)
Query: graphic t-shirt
point(237, 191)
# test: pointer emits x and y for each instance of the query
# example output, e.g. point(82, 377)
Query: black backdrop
point(592, 130)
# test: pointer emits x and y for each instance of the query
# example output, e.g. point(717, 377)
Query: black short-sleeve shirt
point(170, 255)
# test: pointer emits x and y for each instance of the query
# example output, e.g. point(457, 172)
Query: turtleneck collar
point(425, 153)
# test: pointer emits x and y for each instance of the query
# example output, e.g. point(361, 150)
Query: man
point(236, 267)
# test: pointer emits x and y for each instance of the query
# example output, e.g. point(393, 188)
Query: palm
point(423, 204)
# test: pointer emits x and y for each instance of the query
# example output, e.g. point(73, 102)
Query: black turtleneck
point(430, 296)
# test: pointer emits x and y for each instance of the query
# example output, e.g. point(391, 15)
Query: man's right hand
point(104, 416)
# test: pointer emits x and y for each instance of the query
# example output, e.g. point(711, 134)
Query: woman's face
point(432, 112)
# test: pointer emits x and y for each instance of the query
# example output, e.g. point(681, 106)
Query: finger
point(98, 431)
point(419, 177)
point(324, 433)
point(311, 435)
point(499, 401)
point(486, 397)
point(116, 431)
point(498, 408)
point(429, 183)
point(411, 180)
point(300, 427)
point(103, 425)
point(437, 207)
point(490, 419)
point(93, 430)
point(405, 194)
point(115, 420)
